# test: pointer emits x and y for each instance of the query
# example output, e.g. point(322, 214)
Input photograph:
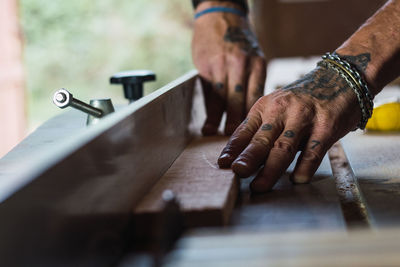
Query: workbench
point(73, 195)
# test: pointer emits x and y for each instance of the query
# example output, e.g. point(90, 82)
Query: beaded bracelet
point(353, 86)
point(351, 75)
point(353, 70)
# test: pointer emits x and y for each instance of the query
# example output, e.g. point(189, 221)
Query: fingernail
point(241, 168)
point(300, 179)
point(224, 156)
point(224, 161)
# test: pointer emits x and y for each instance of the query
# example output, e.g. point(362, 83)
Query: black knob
point(132, 82)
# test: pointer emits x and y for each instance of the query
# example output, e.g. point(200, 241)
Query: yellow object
point(385, 117)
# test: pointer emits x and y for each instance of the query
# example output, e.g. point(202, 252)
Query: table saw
point(142, 188)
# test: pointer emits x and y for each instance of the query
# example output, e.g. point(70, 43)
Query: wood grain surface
point(288, 206)
point(373, 161)
point(308, 249)
point(205, 193)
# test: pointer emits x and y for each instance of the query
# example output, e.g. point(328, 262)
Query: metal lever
point(97, 109)
point(62, 99)
point(132, 82)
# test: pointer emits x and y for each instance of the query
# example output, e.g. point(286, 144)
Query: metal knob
point(132, 82)
point(104, 105)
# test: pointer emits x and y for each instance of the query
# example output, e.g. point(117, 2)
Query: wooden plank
point(288, 206)
point(375, 161)
point(12, 80)
point(309, 248)
point(72, 200)
point(45, 138)
point(205, 193)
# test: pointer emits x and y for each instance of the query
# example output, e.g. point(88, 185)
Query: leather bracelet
point(241, 3)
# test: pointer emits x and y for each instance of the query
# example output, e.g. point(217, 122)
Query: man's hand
point(309, 115)
point(231, 65)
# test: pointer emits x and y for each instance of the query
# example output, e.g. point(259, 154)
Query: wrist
point(367, 64)
point(203, 5)
point(225, 19)
point(350, 68)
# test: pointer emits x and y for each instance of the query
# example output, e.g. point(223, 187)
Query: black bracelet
point(241, 3)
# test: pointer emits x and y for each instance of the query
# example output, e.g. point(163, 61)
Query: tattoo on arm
point(360, 61)
point(315, 143)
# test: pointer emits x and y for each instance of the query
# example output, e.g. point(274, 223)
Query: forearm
point(375, 47)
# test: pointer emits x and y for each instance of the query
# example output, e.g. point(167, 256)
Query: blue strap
point(220, 9)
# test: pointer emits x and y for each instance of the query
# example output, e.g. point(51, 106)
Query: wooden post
point(12, 94)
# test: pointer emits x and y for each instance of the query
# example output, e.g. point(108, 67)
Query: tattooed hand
point(309, 115)
point(231, 65)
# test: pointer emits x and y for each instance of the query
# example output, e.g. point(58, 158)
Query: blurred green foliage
point(79, 44)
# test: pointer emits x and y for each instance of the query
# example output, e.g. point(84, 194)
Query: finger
point(255, 154)
point(239, 140)
point(279, 158)
point(310, 159)
point(215, 106)
point(255, 88)
point(235, 106)
point(214, 92)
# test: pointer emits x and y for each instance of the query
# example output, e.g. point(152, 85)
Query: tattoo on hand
point(360, 61)
point(245, 38)
point(315, 143)
point(266, 127)
point(245, 121)
point(326, 84)
point(321, 83)
point(289, 134)
point(219, 86)
point(238, 88)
